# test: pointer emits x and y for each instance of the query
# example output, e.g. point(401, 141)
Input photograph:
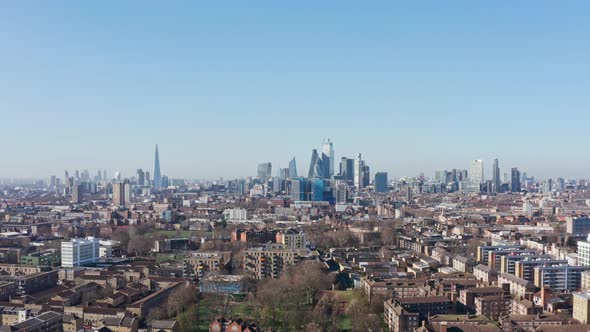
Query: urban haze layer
point(332, 246)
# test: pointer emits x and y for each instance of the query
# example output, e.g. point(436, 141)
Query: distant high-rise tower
point(547, 186)
point(359, 172)
point(140, 177)
point(476, 172)
point(264, 172)
point(121, 193)
point(157, 174)
point(328, 150)
point(67, 182)
point(496, 184)
point(317, 170)
point(312, 162)
point(325, 165)
point(292, 169)
point(76, 193)
point(515, 180)
point(347, 169)
point(381, 182)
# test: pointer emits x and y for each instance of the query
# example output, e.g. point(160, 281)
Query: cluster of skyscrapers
point(474, 180)
point(119, 188)
point(323, 181)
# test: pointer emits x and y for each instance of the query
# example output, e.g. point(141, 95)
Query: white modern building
point(79, 252)
point(476, 171)
point(584, 252)
point(235, 215)
point(359, 165)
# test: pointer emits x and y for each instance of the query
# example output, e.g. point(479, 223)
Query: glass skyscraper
point(292, 169)
point(476, 172)
point(380, 182)
point(157, 174)
point(264, 172)
point(496, 179)
point(515, 180)
point(328, 150)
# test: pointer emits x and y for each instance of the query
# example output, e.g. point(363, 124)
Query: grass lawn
point(241, 310)
point(346, 323)
point(346, 295)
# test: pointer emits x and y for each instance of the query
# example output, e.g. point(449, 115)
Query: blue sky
point(222, 86)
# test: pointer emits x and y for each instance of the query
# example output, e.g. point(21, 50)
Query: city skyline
point(312, 170)
point(413, 87)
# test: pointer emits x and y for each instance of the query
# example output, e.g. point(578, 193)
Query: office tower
point(277, 184)
point(317, 190)
point(476, 171)
point(454, 175)
point(341, 192)
point(318, 169)
point(317, 165)
point(325, 165)
point(264, 172)
point(489, 186)
point(85, 176)
point(298, 189)
point(157, 174)
point(439, 176)
point(79, 252)
point(292, 169)
point(409, 194)
point(242, 186)
point(104, 175)
point(328, 150)
point(68, 185)
point(359, 172)
point(147, 179)
point(548, 186)
point(366, 176)
point(98, 176)
point(560, 184)
point(67, 182)
point(52, 182)
point(77, 190)
point(515, 180)
point(77, 175)
point(347, 169)
point(165, 181)
point(496, 184)
point(343, 172)
point(312, 163)
point(283, 174)
point(523, 177)
point(140, 177)
point(381, 182)
point(121, 193)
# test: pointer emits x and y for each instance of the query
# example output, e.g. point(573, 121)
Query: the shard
point(157, 175)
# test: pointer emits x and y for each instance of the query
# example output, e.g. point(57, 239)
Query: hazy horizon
point(413, 87)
